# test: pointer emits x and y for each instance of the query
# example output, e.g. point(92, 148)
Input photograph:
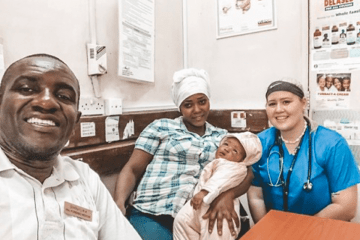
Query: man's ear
point(77, 117)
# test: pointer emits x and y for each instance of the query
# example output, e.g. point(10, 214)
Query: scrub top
point(333, 168)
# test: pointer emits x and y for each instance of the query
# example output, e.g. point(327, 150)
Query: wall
point(240, 67)
point(61, 28)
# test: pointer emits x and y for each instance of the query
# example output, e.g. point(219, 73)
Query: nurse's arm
point(343, 206)
point(256, 203)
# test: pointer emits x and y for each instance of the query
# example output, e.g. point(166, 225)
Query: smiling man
point(44, 195)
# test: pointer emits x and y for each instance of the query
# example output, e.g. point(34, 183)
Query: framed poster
point(237, 17)
point(136, 39)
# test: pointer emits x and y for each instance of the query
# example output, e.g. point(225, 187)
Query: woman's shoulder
point(324, 133)
point(327, 136)
point(267, 136)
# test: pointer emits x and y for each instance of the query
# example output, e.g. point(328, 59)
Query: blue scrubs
point(333, 168)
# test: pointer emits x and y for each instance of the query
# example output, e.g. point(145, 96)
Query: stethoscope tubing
point(285, 185)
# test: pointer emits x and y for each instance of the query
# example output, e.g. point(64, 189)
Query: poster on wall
point(335, 34)
point(236, 17)
point(136, 40)
point(350, 130)
point(333, 90)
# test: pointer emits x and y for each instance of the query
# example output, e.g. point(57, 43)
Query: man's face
point(38, 108)
point(329, 82)
point(322, 82)
point(346, 84)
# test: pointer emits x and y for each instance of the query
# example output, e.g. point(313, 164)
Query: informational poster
point(136, 39)
point(87, 129)
point(112, 129)
point(334, 34)
point(350, 130)
point(333, 90)
point(236, 17)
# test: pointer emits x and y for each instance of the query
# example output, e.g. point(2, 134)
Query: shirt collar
point(5, 163)
point(208, 127)
point(62, 171)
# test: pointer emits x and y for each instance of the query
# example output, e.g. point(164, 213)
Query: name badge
point(77, 211)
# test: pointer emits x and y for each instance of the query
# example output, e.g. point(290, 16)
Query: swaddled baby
point(229, 168)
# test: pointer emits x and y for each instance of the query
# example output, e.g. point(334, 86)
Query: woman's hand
point(223, 207)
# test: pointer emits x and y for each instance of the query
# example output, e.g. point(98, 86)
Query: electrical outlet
point(113, 106)
point(91, 106)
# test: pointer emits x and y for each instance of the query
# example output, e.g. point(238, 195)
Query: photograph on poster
point(333, 82)
point(333, 90)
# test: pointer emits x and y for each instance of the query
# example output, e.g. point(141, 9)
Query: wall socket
point(92, 106)
point(113, 106)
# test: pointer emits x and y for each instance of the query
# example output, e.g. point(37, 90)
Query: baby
point(226, 171)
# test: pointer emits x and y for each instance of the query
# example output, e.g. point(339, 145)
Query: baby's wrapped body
point(220, 175)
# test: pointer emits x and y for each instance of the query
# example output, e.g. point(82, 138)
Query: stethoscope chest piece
point(308, 186)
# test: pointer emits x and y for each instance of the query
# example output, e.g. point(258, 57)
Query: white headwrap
point(188, 82)
point(252, 145)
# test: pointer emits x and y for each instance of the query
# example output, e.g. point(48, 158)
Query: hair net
point(252, 145)
point(188, 82)
point(288, 85)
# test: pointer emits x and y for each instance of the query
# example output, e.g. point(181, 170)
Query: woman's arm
point(343, 206)
point(130, 175)
point(223, 206)
point(256, 203)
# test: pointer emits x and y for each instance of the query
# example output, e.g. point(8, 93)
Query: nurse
point(305, 168)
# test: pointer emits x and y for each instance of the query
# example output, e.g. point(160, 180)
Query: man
point(330, 83)
point(42, 194)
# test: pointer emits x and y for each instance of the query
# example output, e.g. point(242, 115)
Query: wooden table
point(277, 225)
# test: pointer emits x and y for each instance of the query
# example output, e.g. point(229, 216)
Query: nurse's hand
point(222, 207)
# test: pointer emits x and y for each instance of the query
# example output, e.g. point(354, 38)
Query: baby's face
point(231, 149)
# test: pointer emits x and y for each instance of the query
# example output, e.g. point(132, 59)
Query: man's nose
point(45, 101)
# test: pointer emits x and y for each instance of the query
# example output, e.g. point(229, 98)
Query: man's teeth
point(40, 122)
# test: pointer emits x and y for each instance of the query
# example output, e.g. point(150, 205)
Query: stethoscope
point(280, 181)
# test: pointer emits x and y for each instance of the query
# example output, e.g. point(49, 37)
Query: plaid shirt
point(179, 157)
